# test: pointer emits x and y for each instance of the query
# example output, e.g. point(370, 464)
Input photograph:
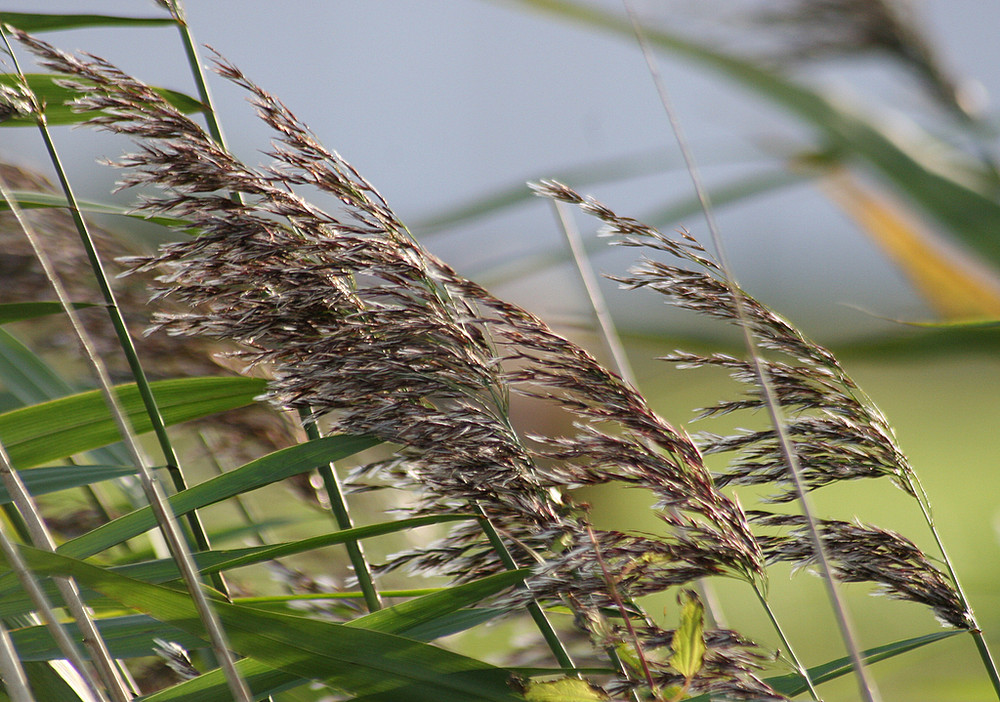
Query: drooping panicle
point(357, 324)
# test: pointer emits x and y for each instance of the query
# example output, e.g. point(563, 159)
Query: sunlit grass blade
point(356, 660)
point(56, 99)
point(59, 428)
point(263, 471)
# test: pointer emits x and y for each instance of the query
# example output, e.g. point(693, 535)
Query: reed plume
point(361, 327)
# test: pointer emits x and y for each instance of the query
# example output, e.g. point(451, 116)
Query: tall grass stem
point(866, 687)
point(161, 509)
point(342, 516)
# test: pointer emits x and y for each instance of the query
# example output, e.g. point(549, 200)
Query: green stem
point(534, 609)
point(341, 515)
point(118, 322)
point(801, 669)
point(128, 348)
point(977, 633)
point(191, 50)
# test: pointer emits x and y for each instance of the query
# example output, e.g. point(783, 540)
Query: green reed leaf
point(794, 684)
point(70, 425)
point(356, 660)
point(40, 22)
point(255, 474)
point(20, 311)
point(165, 569)
point(30, 199)
point(41, 481)
point(55, 99)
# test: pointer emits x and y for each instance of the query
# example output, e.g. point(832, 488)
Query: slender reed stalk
point(15, 681)
point(117, 321)
point(866, 687)
point(66, 645)
point(164, 516)
point(338, 507)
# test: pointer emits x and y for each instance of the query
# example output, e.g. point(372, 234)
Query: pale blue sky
point(440, 101)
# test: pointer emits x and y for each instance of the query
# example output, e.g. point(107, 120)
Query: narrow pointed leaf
point(70, 425)
point(408, 618)
point(35, 22)
point(250, 476)
point(356, 660)
point(165, 569)
point(42, 481)
point(30, 199)
point(20, 311)
point(55, 99)
point(793, 684)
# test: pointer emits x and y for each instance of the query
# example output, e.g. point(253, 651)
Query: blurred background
point(849, 147)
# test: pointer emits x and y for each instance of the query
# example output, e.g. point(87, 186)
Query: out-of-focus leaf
point(940, 178)
point(954, 286)
point(730, 193)
point(54, 98)
point(38, 22)
point(518, 193)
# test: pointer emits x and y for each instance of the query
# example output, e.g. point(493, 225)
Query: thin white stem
point(164, 516)
point(14, 680)
point(591, 283)
point(44, 608)
point(866, 687)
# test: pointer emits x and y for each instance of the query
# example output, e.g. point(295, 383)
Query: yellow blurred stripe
point(952, 282)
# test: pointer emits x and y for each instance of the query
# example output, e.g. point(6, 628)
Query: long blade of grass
point(21, 311)
point(42, 481)
point(164, 570)
point(865, 687)
point(131, 636)
point(41, 22)
point(70, 425)
point(30, 200)
point(351, 658)
point(255, 474)
point(56, 99)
